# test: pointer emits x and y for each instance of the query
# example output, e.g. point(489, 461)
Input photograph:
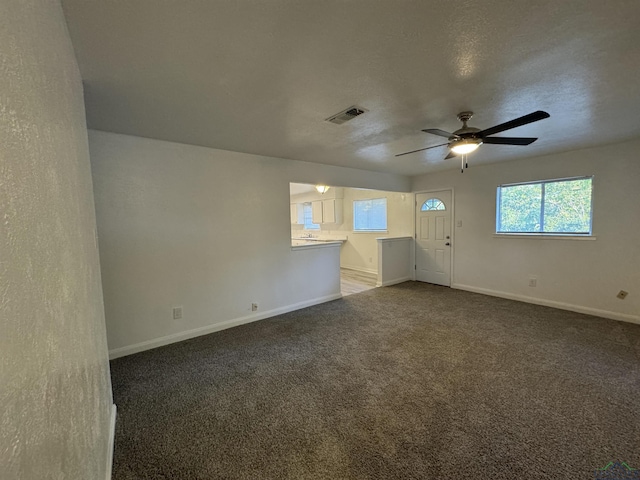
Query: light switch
point(459, 223)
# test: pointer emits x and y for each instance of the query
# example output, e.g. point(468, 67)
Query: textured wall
point(575, 274)
point(55, 393)
point(203, 228)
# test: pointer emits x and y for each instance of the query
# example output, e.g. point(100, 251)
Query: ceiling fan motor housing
point(465, 131)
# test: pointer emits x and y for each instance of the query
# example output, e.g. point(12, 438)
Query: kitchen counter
point(314, 243)
point(311, 241)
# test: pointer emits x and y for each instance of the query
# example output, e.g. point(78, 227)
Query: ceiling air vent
point(346, 115)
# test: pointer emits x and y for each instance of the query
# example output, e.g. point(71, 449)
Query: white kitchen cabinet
point(297, 214)
point(316, 211)
point(332, 210)
point(327, 211)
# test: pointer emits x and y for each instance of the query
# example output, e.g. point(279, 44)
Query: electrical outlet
point(622, 294)
point(254, 307)
point(177, 313)
point(533, 281)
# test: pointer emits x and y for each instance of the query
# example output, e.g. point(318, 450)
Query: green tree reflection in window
point(432, 204)
point(561, 206)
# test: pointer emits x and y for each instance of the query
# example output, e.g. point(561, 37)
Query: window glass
point(370, 215)
point(308, 216)
point(549, 207)
point(567, 206)
point(520, 208)
point(432, 204)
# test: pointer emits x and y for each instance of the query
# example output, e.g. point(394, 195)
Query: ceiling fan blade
point(421, 149)
point(509, 140)
point(451, 155)
point(441, 133)
point(532, 117)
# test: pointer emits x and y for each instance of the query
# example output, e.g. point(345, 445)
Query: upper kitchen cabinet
point(326, 208)
point(297, 214)
point(327, 211)
point(316, 212)
point(332, 210)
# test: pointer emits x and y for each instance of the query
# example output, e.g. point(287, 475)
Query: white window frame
point(578, 235)
point(371, 230)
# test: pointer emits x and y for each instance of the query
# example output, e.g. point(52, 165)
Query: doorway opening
point(354, 281)
point(357, 218)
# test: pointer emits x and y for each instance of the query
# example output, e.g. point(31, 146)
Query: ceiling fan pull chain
point(462, 163)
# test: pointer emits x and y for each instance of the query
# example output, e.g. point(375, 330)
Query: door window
point(432, 204)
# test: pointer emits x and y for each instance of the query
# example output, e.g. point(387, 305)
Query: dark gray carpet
point(407, 382)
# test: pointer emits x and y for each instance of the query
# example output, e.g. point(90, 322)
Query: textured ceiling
point(261, 76)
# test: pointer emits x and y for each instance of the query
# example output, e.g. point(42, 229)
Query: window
point(308, 217)
point(552, 207)
point(370, 215)
point(432, 204)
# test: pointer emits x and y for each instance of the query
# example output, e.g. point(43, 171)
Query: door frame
point(415, 229)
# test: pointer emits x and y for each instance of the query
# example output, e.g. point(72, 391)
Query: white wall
point(55, 393)
point(395, 260)
point(360, 251)
point(206, 229)
point(580, 275)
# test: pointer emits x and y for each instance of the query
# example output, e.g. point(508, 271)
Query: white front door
point(433, 237)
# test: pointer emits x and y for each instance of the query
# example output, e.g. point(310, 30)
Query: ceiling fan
point(467, 139)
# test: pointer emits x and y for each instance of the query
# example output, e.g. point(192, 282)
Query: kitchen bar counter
point(314, 243)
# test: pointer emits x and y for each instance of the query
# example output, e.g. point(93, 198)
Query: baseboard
point(551, 303)
point(360, 269)
point(196, 332)
point(112, 438)
point(395, 281)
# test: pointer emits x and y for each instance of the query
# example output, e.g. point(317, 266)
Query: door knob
point(447, 244)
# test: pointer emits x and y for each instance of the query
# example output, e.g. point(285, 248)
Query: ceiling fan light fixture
point(322, 189)
point(467, 145)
